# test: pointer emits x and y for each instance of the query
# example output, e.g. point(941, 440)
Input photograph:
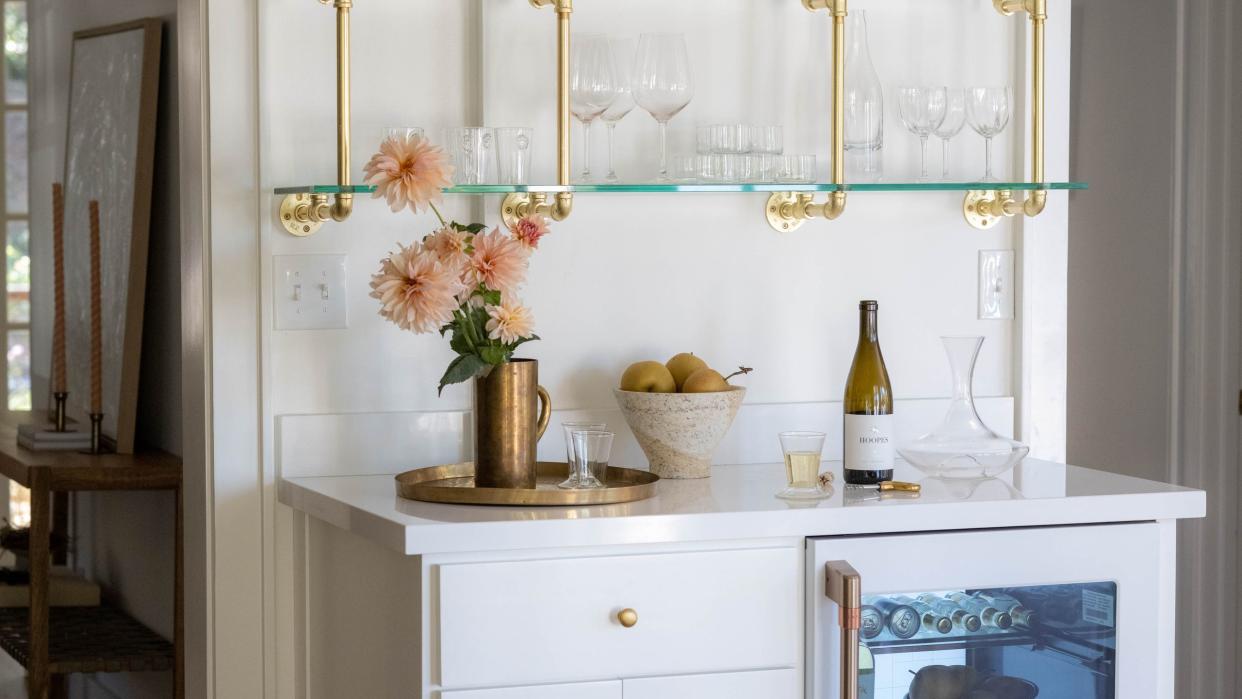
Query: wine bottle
point(1015, 609)
point(961, 618)
point(989, 615)
point(903, 621)
point(868, 407)
point(933, 621)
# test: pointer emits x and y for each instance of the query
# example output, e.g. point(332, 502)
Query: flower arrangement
point(460, 280)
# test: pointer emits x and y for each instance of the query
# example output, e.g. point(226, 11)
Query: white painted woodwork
point(519, 622)
point(582, 690)
point(1135, 556)
point(738, 502)
point(765, 684)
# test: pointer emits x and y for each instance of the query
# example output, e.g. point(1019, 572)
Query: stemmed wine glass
point(987, 110)
point(623, 63)
point(922, 110)
point(954, 120)
point(593, 86)
point(663, 84)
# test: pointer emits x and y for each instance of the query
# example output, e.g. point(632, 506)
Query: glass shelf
point(653, 188)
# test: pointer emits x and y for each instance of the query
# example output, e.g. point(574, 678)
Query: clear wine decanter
point(963, 447)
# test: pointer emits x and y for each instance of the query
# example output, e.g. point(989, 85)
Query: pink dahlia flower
point(408, 172)
point(498, 263)
point(509, 322)
point(416, 291)
point(529, 229)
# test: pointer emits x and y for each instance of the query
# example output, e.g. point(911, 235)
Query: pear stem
point(741, 371)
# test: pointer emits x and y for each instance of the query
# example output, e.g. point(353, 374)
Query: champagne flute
point(954, 120)
point(987, 110)
point(623, 64)
point(922, 110)
point(663, 84)
point(592, 86)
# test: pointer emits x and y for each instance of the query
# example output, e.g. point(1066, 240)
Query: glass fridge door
point(1060, 613)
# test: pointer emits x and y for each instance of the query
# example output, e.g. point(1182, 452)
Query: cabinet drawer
point(556, 620)
point(582, 690)
point(765, 684)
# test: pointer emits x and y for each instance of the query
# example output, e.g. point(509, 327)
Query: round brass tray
point(454, 483)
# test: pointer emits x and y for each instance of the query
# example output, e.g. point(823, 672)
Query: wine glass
point(987, 111)
point(954, 120)
point(623, 64)
point(663, 84)
point(922, 110)
point(592, 86)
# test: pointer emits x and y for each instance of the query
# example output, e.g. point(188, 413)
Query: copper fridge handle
point(844, 586)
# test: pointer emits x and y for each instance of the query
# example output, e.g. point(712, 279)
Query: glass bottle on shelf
point(1015, 609)
point(988, 614)
point(864, 106)
point(933, 621)
point(961, 618)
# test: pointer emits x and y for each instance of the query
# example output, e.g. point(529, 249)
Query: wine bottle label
point(869, 442)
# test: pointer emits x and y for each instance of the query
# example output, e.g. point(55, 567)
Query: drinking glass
point(513, 145)
point(767, 139)
point(402, 133)
point(730, 139)
point(592, 449)
point(803, 455)
point(864, 105)
point(796, 169)
point(922, 110)
point(569, 428)
point(954, 119)
point(471, 148)
point(663, 84)
point(593, 86)
point(623, 65)
point(987, 110)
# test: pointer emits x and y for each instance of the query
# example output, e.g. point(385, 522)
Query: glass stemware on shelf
point(987, 111)
point(864, 106)
point(593, 86)
point(623, 51)
point(922, 110)
point(954, 120)
point(663, 83)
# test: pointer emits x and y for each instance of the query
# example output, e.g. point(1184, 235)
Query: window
point(15, 229)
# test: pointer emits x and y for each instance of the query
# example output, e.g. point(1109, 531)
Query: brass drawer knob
point(627, 617)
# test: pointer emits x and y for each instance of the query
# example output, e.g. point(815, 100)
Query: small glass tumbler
point(474, 154)
point(403, 133)
point(730, 139)
point(592, 449)
point(513, 148)
point(767, 139)
point(703, 140)
point(684, 168)
point(803, 455)
point(799, 169)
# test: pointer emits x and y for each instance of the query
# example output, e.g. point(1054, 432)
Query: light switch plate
point(997, 285)
point(310, 292)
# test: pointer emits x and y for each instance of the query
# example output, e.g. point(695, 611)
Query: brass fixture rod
point(843, 585)
point(303, 214)
point(984, 209)
point(787, 211)
point(519, 205)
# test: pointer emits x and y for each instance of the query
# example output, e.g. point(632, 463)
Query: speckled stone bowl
point(679, 431)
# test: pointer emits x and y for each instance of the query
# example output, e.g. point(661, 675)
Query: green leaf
point(523, 341)
point(495, 355)
point(463, 368)
point(473, 228)
point(460, 343)
point(491, 298)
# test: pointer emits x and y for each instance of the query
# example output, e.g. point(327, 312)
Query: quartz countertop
point(738, 502)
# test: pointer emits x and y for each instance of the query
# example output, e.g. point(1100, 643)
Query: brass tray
point(454, 483)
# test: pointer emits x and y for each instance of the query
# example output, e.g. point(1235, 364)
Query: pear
point(683, 365)
point(942, 682)
point(648, 377)
point(705, 381)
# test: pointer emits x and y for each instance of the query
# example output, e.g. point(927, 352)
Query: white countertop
point(738, 502)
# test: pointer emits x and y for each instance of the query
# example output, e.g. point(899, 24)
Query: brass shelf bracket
point(984, 209)
point(303, 214)
point(522, 204)
point(787, 211)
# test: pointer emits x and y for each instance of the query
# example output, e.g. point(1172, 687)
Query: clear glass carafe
point(864, 106)
point(963, 447)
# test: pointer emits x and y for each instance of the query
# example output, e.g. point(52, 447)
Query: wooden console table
point(52, 643)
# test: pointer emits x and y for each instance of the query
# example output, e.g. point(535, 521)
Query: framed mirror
point(109, 153)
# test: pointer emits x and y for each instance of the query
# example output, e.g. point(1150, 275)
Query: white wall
point(124, 540)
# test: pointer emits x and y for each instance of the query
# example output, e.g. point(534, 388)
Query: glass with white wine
point(803, 455)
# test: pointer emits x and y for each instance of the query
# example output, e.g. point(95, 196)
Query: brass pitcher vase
point(511, 412)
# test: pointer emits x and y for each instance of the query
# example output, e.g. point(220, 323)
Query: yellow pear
point(648, 377)
point(683, 365)
point(705, 381)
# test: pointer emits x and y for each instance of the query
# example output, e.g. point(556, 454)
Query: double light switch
point(310, 292)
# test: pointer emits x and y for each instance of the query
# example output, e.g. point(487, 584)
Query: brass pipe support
point(519, 205)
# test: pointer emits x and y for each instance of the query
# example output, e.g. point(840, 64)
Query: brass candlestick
point(97, 446)
point(61, 397)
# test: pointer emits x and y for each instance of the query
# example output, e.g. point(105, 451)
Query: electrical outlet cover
point(997, 285)
point(310, 292)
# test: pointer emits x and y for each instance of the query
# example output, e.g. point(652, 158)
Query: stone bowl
point(679, 432)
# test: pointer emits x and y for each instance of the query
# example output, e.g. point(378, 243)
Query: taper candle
point(96, 315)
point(60, 383)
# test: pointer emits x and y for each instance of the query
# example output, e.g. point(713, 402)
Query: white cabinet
point(762, 684)
point(518, 622)
point(581, 690)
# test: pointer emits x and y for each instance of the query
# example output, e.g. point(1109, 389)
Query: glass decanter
point(963, 447)
point(864, 106)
